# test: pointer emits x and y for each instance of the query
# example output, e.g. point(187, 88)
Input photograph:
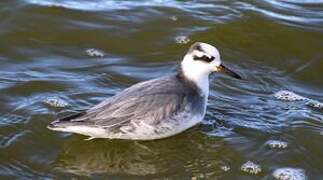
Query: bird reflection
point(180, 156)
point(102, 156)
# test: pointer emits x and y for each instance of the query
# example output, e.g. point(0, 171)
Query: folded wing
point(150, 101)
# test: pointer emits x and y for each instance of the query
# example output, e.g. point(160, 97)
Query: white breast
point(198, 72)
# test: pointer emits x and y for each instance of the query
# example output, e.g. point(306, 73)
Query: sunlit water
point(62, 56)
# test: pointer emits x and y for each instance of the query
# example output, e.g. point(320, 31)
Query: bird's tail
point(63, 123)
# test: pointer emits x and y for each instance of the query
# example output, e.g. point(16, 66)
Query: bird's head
point(202, 59)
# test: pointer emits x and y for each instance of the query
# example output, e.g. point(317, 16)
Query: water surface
point(46, 72)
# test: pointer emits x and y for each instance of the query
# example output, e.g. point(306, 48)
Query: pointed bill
point(227, 71)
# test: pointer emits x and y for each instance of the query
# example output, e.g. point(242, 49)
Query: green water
point(275, 45)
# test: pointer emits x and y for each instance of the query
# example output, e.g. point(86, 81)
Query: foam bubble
point(288, 96)
point(182, 40)
point(291, 96)
point(251, 168)
point(277, 144)
point(56, 102)
point(174, 18)
point(289, 174)
point(94, 52)
point(315, 104)
point(225, 168)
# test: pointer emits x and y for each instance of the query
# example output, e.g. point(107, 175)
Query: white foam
point(225, 168)
point(291, 96)
point(289, 174)
point(56, 102)
point(251, 168)
point(277, 144)
point(94, 52)
point(288, 96)
point(315, 104)
point(174, 18)
point(182, 39)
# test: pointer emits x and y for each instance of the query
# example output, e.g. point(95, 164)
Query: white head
point(201, 60)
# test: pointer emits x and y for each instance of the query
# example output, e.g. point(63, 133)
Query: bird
point(156, 108)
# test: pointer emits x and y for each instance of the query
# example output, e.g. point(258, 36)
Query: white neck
point(197, 73)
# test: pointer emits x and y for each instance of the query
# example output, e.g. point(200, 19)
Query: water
point(47, 71)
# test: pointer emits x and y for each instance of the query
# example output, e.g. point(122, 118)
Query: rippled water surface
point(62, 56)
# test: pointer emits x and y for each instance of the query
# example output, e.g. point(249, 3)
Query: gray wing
point(150, 101)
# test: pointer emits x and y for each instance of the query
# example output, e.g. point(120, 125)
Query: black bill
point(227, 71)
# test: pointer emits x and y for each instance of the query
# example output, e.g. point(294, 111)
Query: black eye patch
point(203, 58)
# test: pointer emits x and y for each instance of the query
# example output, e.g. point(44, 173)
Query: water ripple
point(44, 59)
point(10, 139)
point(103, 5)
point(308, 14)
point(22, 170)
point(296, 13)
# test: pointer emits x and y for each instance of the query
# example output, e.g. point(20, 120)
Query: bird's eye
point(204, 58)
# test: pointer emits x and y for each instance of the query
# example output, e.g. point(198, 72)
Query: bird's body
point(152, 109)
point(143, 111)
